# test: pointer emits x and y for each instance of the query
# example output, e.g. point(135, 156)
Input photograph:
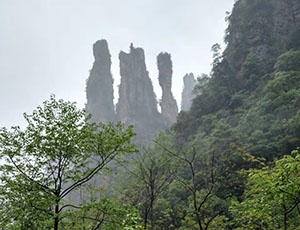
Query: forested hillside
point(253, 84)
point(226, 158)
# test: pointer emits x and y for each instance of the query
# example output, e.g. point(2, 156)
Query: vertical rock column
point(137, 102)
point(99, 88)
point(168, 104)
point(187, 93)
point(99, 92)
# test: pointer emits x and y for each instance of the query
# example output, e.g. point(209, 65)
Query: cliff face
point(263, 27)
point(187, 96)
point(168, 104)
point(286, 17)
point(99, 88)
point(137, 102)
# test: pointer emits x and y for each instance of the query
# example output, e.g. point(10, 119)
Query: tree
point(151, 173)
point(104, 214)
point(216, 49)
point(272, 200)
point(288, 61)
point(251, 72)
point(205, 204)
point(56, 154)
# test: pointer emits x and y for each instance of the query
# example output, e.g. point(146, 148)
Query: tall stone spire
point(99, 88)
point(137, 102)
point(187, 93)
point(168, 104)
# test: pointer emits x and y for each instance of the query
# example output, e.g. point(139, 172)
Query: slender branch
point(160, 187)
point(287, 211)
point(45, 188)
point(183, 182)
point(88, 177)
point(211, 187)
point(99, 224)
point(205, 199)
point(167, 150)
point(69, 205)
point(41, 209)
point(211, 219)
point(136, 175)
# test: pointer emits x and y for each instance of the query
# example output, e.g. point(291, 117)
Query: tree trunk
point(146, 217)
point(196, 210)
point(284, 214)
point(199, 221)
point(285, 221)
point(56, 217)
point(151, 214)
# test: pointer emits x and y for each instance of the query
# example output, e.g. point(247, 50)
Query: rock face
point(289, 10)
point(137, 102)
point(187, 96)
point(168, 104)
point(263, 27)
point(99, 88)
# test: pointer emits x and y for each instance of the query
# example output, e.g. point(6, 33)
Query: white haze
point(46, 45)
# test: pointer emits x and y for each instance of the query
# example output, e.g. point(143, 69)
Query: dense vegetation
point(230, 163)
point(232, 159)
point(58, 154)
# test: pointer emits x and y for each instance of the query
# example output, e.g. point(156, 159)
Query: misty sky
point(46, 45)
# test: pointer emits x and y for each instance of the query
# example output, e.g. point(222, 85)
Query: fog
point(46, 45)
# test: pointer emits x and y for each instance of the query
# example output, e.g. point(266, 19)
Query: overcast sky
point(46, 45)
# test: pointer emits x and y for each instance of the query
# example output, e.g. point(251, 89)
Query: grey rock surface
point(99, 88)
point(263, 27)
point(137, 102)
point(168, 104)
point(187, 95)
